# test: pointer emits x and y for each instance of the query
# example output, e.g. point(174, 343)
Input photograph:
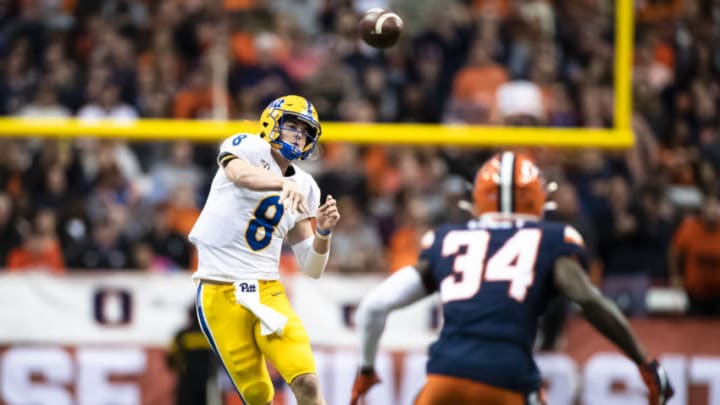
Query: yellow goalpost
point(619, 136)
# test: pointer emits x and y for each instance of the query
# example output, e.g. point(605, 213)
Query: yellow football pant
point(234, 334)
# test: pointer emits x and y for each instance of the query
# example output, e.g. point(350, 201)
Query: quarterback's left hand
point(328, 215)
point(363, 382)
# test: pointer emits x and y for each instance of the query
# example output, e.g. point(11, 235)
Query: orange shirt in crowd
point(242, 47)
point(383, 178)
point(238, 5)
point(37, 253)
point(404, 248)
point(182, 219)
point(479, 84)
point(699, 247)
point(195, 104)
point(653, 11)
point(678, 165)
point(499, 7)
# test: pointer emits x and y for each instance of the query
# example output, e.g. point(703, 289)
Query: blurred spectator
point(110, 189)
point(130, 16)
point(416, 105)
point(332, 83)
point(165, 241)
point(54, 192)
point(687, 173)
point(191, 359)
point(379, 92)
point(145, 259)
point(177, 170)
point(476, 83)
point(19, 78)
point(193, 29)
point(643, 160)
point(195, 98)
point(412, 218)
point(710, 138)
point(634, 236)
point(63, 73)
point(519, 103)
point(695, 258)
point(302, 58)
point(36, 253)
point(266, 77)
point(456, 193)
point(590, 173)
point(540, 16)
point(445, 40)
point(108, 106)
point(344, 174)
point(9, 234)
point(183, 208)
point(45, 103)
point(567, 210)
point(55, 175)
point(40, 249)
point(104, 249)
point(356, 242)
point(29, 26)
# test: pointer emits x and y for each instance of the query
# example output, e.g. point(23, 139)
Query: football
point(380, 28)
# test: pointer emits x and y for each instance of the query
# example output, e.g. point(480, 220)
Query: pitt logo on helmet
point(272, 122)
point(509, 183)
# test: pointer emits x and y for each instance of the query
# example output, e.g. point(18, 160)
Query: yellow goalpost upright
point(617, 137)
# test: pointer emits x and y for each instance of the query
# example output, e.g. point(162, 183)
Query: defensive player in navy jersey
point(495, 275)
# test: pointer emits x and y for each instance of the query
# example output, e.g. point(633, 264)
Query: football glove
point(364, 380)
point(659, 388)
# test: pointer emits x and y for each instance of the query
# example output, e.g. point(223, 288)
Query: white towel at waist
point(247, 294)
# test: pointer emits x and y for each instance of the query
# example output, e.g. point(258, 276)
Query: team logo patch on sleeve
point(573, 236)
point(427, 240)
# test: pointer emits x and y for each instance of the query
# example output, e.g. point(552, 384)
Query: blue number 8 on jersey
point(266, 216)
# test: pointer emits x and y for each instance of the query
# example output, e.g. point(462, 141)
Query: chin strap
point(288, 151)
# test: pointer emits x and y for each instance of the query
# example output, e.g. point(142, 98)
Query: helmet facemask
point(291, 109)
point(288, 149)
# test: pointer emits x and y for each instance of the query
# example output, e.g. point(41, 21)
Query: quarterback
point(259, 198)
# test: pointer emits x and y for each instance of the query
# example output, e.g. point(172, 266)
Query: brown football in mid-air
point(380, 28)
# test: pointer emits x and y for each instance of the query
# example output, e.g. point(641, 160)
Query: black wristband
point(367, 371)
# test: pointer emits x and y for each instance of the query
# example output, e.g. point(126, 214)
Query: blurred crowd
point(649, 215)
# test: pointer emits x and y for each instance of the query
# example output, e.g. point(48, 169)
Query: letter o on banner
point(112, 306)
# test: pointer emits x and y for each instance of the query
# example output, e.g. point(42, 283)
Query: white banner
point(146, 309)
point(327, 308)
point(117, 308)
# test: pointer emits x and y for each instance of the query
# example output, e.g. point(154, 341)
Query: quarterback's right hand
point(292, 198)
point(659, 388)
point(364, 380)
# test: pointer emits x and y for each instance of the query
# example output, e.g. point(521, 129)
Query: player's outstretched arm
point(401, 289)
point(244, 174)
point(603, 314)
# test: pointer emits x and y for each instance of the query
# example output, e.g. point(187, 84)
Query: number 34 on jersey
point(473, 257)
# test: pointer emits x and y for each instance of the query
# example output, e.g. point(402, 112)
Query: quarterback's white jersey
point(240, 232)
